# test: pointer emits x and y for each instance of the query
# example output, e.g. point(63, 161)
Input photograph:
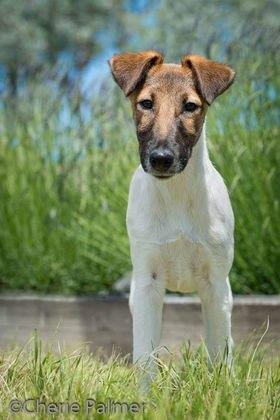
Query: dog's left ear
point(212, 78)
point(129, 69)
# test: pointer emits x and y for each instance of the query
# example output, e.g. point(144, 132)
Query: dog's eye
point(146, 104)
point(190, 107)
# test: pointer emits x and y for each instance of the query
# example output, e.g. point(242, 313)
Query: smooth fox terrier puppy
point(179, 218)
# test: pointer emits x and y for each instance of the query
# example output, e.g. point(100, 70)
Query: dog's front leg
point(216, 299)
point(146, 301)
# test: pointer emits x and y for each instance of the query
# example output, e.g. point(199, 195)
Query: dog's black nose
point(161, 159)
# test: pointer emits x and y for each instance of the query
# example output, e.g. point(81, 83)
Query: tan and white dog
point(179, 218)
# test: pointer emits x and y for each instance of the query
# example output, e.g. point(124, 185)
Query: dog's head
point(169, 103)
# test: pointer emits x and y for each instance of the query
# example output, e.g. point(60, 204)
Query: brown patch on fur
point(154, 276)
point(167, 125)
point(212, 78)
point(200, 271)
point(130, 69)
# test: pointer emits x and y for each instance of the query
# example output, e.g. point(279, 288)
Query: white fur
point(181, 238)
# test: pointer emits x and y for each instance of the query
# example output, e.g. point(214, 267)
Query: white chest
point(181, 264)
point(180, 232)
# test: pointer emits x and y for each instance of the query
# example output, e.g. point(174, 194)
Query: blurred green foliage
point(54, 38)
point(66, 160)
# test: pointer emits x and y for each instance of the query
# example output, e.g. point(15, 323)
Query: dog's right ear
point(212, 78)
point(130, 69)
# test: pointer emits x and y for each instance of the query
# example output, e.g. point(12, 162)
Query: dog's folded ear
point(129, 69)
point(212, 78)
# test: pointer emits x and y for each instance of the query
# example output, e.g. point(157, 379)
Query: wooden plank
point(106, 322)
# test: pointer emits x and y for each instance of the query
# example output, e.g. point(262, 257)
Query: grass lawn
point(184, 388)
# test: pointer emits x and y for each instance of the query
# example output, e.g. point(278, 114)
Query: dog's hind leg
point(216, 299)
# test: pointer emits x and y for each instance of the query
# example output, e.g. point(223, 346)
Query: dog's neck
point(195, 168)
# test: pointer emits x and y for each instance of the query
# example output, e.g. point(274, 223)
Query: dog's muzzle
point(161, 161)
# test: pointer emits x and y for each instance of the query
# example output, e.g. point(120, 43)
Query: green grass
point(63, 189)
point(183, 389)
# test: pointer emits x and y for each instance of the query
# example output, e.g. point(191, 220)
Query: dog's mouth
point(163, 176)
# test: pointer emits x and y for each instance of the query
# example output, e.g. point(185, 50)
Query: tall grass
point(65, 166)
point(183, 389)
